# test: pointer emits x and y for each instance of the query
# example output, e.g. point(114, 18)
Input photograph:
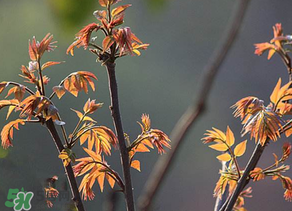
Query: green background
point(162, 82)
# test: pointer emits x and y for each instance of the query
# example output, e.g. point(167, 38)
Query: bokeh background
point(162, 82)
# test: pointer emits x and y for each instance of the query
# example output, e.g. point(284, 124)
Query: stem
point(63, 131)
point(194, 111)
point(20, 85)
point(76, 128)
point(243, 181)
point(41, 78)
point(115, 111)
point(68, 169)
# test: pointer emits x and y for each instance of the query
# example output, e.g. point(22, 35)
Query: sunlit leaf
point(107, 42)
point(239, 150)
point(7, 132)
point(119, 10)
point(224, 157)
point(100, 180)
point(136, 165)
point(274, 95)
point(11, 108)
point(92, 154)
point(229, 137)
point(48, 64)
point(219, 147)
point(59, 90)
point(79, 114)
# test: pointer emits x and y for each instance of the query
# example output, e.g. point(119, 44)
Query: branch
point(195, 110)
point(244, 180)
point(69, 171)
point(115, 111)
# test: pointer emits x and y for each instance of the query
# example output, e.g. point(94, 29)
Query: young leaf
point(136, 165)
point(274, 95)
point(219, 147)
point(11, 108)
point(120, 10)
point(240, 149)
point(59, 90)
point(7, 132)
point(229, 137)
point(107, 42)
point(48, 64)
point(224, 157)
point(79, 114)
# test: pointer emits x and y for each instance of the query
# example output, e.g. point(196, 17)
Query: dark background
point(162, 82)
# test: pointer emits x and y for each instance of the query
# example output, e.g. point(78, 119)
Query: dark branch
point(115, 111)
point(194, 111)
point(69, 171)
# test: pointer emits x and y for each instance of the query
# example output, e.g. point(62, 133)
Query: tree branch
point(195, 110)
point(69, 171)
point(115, 111)
point(243, 181)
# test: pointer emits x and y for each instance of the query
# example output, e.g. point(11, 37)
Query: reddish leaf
point(48, 64)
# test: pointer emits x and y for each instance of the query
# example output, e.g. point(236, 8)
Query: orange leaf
point(111, 181)
point(229, 137)
point(119, 10)
point(50, 63)
point(59, 90)
point(79, 114)
point(11, 108)
point(7, 132)
point(107, 42)
point(221, 135)
point(141, 148)
point(274, 95)
point(240, 149)
point(288, 132)
point(100, 180)
point(103, 3)
point(96, 157)
point(136, 165)
point(219, 147)
point(224, 157)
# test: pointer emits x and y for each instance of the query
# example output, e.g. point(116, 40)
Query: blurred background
point(162, 82)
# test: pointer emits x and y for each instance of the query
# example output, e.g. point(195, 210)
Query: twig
point(69, 171)
point(244, 180)
point(182, 127)
point(115, 111)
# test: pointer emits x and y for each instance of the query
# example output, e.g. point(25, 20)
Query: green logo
point(19, 200)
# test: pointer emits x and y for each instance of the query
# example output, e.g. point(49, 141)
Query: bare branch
point(115, 110)
point(195, 110)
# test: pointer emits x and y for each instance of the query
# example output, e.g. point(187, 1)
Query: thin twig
point(115, 111)
point(20, 85)
point(194, 111)
point(42, 91)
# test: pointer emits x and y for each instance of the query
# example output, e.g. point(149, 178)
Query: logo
point(19, 200)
